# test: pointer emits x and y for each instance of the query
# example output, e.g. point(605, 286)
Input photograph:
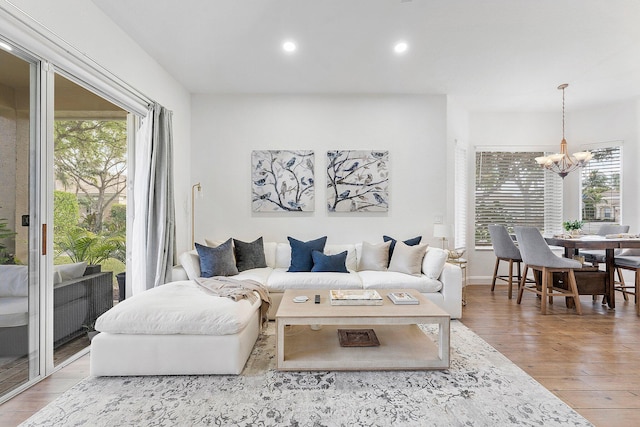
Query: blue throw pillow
point(301, 259)
point(409, 242)
point(217, 261)
point(329, 263)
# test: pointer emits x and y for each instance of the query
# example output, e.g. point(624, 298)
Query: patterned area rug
point(482, 388)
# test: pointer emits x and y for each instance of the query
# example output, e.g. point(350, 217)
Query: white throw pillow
point(407, 259)
point(434, 261)
point(374, 257)
point(70, 271)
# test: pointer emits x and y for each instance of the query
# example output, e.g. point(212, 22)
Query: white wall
point(544, 131)
point(81, 24)
point(227, 128)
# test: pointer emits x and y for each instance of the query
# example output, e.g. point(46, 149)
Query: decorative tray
point(358, 338)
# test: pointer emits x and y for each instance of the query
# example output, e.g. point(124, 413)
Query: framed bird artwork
point(357, 181)
point(282, 180)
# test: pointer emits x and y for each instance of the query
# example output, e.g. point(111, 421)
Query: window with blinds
point(600, 186)
point(511, 189)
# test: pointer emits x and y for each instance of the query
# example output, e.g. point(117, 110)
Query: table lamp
point(442, 231)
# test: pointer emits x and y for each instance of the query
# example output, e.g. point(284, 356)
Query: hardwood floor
point(592, 362)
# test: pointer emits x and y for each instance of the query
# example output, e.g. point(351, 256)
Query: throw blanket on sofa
point(236, 290)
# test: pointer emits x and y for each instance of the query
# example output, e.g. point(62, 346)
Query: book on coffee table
point(355, 297)
point(402, 298)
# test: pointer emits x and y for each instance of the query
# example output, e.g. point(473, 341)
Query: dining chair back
point(537, 255)
point(597, 256)
point(505, 250)
point(612, 229)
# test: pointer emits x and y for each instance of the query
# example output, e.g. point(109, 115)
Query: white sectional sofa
point(439, 281)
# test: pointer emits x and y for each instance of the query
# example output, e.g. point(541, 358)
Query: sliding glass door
point(63, 188)
point(20, 296)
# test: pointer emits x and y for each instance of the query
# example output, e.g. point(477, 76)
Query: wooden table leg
point(609, 287)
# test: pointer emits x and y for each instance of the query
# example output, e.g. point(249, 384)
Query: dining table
point(573, 244)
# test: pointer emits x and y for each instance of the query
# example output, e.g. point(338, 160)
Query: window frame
point(592, 224)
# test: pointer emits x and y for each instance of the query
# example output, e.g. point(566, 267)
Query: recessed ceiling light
point(400, 47)
point(289, 46)
point(5, 46)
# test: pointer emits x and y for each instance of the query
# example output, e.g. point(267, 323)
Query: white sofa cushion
point(260, 275)
point(270, 253)
point(283, 255)
point(69, 271)
point(14, 311)
point(280, 280)
point(392, 279)
point(14, 281)
point(433, 262)
point(178, 308)
point(407, 259)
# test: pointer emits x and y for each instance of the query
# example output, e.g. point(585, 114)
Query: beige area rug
point(482, 388)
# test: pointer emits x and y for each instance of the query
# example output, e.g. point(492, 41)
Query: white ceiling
point(491, 55)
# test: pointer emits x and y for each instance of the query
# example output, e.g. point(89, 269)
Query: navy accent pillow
point(329, 263)
point(249, 255)
point(301, 259)
point(217, 261)
point(408, 242)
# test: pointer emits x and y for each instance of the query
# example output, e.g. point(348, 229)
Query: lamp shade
point(442, 231)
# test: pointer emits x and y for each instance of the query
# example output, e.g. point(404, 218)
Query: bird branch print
point(282, 180)
point(357, 181)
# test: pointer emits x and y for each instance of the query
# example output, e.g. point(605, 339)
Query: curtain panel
point(153, 237)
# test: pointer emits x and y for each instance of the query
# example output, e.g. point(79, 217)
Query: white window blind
point(600, 186)
point(511, 189)
point(461, 197)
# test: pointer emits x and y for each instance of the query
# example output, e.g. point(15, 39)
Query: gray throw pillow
point(217, 261)
point(249, 255)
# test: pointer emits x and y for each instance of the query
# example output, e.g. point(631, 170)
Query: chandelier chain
point(562, 113)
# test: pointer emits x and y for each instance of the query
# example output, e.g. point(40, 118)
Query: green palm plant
point(80, 245)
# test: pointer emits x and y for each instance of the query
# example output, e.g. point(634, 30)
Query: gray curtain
point(153, 234)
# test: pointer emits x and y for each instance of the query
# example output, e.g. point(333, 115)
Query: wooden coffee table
point(403, 346)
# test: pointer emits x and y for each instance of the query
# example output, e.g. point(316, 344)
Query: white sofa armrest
point(178, 273)
point(451, 279)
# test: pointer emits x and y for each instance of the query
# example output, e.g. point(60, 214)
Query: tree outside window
point(601, 186)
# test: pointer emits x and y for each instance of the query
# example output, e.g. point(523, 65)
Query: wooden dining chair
point(628, 262)
point(505, 250)
point(537, 256)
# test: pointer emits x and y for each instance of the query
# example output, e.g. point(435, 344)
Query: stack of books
point(402, 298)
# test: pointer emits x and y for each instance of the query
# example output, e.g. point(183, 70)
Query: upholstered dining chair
point(505, 250)
point(537, 256)
point(629, 262)
point(596, 256)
